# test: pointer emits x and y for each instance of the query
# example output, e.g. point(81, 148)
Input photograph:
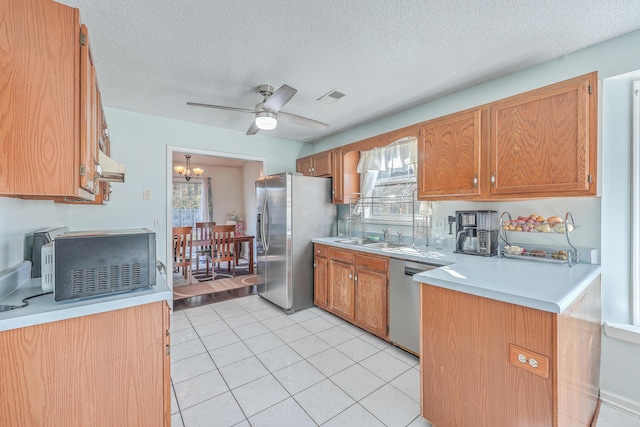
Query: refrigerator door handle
point(265, 220)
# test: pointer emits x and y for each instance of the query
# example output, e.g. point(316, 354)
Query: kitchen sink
point(357, 242)
point(383, 245)
point(371, 244)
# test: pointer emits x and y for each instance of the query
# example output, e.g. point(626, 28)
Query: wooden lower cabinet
point(320, 276)
point(490, 363)
point(371, 301)
point(342, 289)
point(106, 369)
point(357, 288)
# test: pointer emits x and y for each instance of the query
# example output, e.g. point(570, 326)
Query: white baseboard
point(620, 403)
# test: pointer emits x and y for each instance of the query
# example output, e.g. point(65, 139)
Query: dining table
point(240, 238)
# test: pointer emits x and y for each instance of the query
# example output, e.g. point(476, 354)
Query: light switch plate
point(146, 194)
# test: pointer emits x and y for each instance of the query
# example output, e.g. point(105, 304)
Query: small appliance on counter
point(98, 262)
point(477, 232)
point(41, 238)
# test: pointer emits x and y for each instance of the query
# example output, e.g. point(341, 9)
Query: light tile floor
point(243, 362)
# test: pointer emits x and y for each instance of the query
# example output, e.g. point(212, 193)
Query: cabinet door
point(39, 100)
point(543, 142)
point(341, 289)
point(108, 368)
point(322, 164)
point(88, 116)
point(371, 301)
point(305, 166)
point(337, 177)
point(320, 271)
point(449, 156)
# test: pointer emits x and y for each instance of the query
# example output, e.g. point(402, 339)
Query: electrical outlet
point(529, 361)
point(440, 224)
point(146, 194)
point(157, 222)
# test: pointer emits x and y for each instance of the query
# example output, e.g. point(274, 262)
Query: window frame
point(193, 181)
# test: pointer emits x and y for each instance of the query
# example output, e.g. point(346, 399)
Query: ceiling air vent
point(331, 96)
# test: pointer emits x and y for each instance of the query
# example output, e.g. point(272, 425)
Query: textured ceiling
point(153, 56)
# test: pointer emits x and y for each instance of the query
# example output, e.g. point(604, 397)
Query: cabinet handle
point(350, 276)
point(475, 181)
point(356, 279)
point(493, 179)
point(314, 265)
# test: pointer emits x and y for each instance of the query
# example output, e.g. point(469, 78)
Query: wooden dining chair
point(223, 245)
point(204, 231)
point(182, 249)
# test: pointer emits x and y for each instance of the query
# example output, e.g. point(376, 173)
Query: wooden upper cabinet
point(89, 107)
point(346, 180)
point(40, 102)
point(449, 156)
point(316, 165)
point(304, 165)
point(322, 165)
point(543, 142)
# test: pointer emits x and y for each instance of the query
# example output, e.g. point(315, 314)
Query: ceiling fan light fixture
point(266, 120)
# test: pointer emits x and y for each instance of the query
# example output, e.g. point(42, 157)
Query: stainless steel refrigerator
point(292, 210)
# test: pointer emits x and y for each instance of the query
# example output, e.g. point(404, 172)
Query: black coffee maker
point(477, 232)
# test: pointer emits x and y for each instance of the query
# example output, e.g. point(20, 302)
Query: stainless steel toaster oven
point(90, 263)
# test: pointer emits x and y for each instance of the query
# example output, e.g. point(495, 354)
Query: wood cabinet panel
point(449, 156)
point(50, 103)
point(341, 289)
point(541, 141)
point(88, 116)
point(39, 100)
point(322, 164)
point(467, 376)
point(357, 287)
point(320, 276)
point(304, 165)
point(104, 369)
point(371, 301)
point(372, 262)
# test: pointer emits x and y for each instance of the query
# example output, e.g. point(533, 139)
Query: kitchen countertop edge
point(45, 310)
point(546, 287)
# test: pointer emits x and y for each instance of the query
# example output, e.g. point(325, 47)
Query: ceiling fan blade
point(299, 120)
point(221, 107)
point(279, 98)
point(253, 129)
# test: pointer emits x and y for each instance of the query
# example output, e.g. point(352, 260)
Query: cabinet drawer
point(342, 255)
point(320, 250)
point(372, 262)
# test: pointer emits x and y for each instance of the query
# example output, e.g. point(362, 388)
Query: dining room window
point(187, 203)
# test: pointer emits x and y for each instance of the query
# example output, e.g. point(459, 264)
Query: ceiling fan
point(268, 111)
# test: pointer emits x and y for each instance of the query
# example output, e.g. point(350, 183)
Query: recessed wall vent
point(331, 96)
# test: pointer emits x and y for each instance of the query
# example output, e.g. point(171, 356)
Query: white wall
point(226, 192)
point(140, 142)
point(19, 219)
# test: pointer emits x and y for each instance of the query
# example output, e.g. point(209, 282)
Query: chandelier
point(186, 172)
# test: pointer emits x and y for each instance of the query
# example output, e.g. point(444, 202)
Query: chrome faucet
point(400, 237)
point(386, 233)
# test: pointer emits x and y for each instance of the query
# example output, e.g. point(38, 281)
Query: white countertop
point(44, 309)
point(542, 286)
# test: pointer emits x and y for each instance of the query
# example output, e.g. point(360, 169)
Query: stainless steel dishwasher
point(404, 303)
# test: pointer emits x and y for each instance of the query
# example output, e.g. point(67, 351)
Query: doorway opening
point(222, 193)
